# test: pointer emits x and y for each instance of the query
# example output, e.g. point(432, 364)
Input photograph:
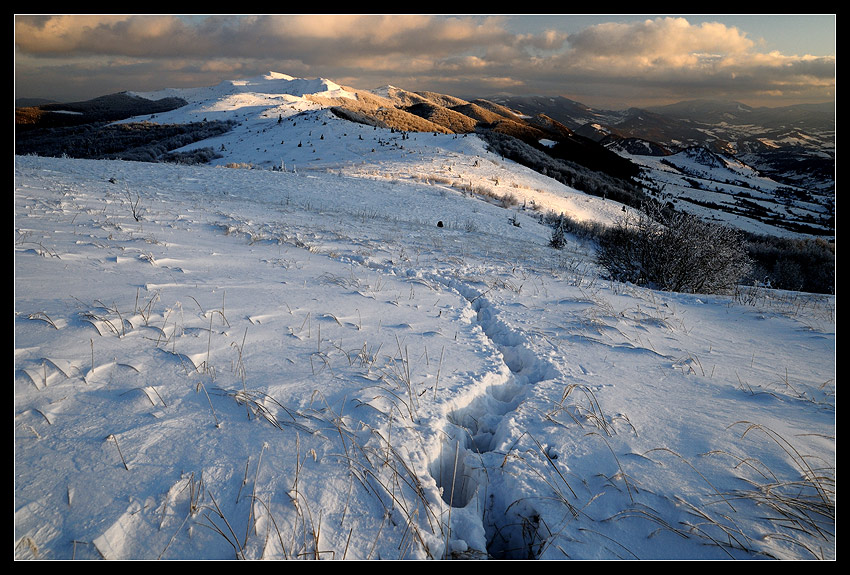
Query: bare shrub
point(673, 251)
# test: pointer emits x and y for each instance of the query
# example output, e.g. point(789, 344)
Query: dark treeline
point(591, 180)
point(109, 108)
point(796, 264)
point(594, 156)
point(139, 141)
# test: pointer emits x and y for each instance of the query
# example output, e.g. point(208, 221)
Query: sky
point(605, 61)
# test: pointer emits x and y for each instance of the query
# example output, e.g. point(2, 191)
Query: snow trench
point(488, 516)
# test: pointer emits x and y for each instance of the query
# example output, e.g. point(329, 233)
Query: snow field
point(277, 365)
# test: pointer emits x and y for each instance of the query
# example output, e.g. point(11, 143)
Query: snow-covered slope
point(722, 188)
point(281, 126)
point(355, 356)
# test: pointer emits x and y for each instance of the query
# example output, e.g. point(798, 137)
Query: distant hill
point(793, 144)
point(805, 116)
point(393, 107)
point(84, 129)
point(32, 102)
point(108, 108)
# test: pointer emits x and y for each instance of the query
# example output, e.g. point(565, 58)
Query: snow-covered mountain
point(345, 340)
point(295, 125)
point(233, 99)
point(276, 120)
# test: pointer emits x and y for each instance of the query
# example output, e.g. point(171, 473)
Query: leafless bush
point(673, 251)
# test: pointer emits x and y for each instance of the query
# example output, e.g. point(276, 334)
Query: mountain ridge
point(388, 107)
point(635, 147)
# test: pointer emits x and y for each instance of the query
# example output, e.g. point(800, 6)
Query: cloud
point(254, 36)
point(672, 46)
point(372, 48)
point(709, 59)
point(666, 55)
point(658, 42)
point(98, 35)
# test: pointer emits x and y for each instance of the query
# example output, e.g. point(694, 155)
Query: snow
point(216, 363)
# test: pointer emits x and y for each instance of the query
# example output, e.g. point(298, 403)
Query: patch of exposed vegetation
point(138, 141)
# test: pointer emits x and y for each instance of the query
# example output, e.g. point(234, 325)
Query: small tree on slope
point(558, 239)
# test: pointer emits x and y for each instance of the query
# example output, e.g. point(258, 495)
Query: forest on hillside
point(136, 141)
